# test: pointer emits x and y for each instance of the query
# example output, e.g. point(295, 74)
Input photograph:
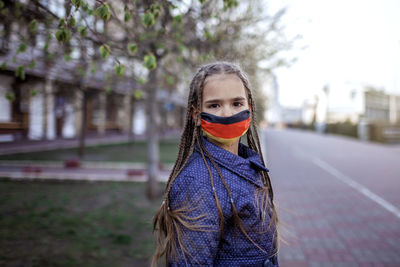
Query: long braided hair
point(169, 223)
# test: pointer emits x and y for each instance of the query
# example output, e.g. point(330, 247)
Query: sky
point(349, 45)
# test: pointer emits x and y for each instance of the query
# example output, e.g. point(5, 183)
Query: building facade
point(56, 95)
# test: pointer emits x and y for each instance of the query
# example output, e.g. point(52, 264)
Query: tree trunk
point(131, 117)
point(152, 136)
point(82, 88)
point(46, 111)
point(82, 136)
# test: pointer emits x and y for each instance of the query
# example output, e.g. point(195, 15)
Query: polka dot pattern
point(193, 190)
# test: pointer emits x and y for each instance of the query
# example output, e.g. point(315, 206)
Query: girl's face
point(224, 95)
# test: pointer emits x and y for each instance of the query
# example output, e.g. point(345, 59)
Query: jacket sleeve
point(195, 194)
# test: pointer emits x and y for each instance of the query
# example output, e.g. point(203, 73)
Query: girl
point(218, 205)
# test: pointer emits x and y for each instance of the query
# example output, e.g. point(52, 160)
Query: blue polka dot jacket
point(193, 190)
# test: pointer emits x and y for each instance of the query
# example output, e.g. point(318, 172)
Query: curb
point(64, 176)
point(83, 164)
point(64, 144)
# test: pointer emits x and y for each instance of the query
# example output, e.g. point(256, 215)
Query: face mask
point(225, 130)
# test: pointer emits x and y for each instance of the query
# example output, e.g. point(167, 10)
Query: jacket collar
point(246, 164)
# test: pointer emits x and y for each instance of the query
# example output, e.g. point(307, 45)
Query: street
point(338, 199)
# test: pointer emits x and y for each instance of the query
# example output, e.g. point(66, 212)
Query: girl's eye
point(238, 104)
point(213, 106)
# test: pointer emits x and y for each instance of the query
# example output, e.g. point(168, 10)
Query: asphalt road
point(338, 199)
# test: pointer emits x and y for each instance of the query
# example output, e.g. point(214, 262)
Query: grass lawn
point(116, 152)
point(75, 224)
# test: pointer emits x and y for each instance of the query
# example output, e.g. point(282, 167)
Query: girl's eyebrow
point(239, 98)
point(213, 100)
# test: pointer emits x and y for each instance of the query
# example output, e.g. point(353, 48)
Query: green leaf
point(21, 48)
point(150, 62)
point(178, 37)
point(148, 19)
point(207, 34)
point(51, 56)
point(127, 16)
point(179, 59)
point(93, 69)
point(230, 3)
point(141, 80)
point(61, 23)
point(104, 51)
point(108, 90)
point(1, 4)
point(34, 92)
point(32, 64)
point(71, 22)
point(81, 71)
point(181, 48)
point(103, 12)
point(160, 45)
point(155, 9)
point(138, 94)
point(77, 3)
point(170, 80)
point(63, 35)
point(132, 48)
point(33, 26)
point(67, 57)
point(119, 69)
point(83, 31)
point(46, 47)
point(3, 65)
point(10, 96)
point(85, 7)
point(202, 1)
point(20, 72)
point(178, 19)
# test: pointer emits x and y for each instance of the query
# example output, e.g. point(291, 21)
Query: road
point(338, 199)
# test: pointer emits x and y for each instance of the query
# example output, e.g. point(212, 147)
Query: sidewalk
point(33, 172)
point(43, 145)
point(92, 139)
point(75, 170)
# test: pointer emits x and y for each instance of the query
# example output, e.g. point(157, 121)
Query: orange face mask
point(225, 130)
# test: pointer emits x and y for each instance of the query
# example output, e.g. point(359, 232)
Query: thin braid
point(178, 167)
point(254, 143)
point(169, 222)
point(220, 212)
point(189, 133)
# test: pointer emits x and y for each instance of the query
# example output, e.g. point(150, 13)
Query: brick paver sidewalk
point(323, 220)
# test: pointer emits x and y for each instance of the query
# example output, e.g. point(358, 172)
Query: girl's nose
point(227, 112)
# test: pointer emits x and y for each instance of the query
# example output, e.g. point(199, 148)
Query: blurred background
point(93, 99)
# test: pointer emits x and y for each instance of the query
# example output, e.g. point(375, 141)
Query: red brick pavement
point(324, 221)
